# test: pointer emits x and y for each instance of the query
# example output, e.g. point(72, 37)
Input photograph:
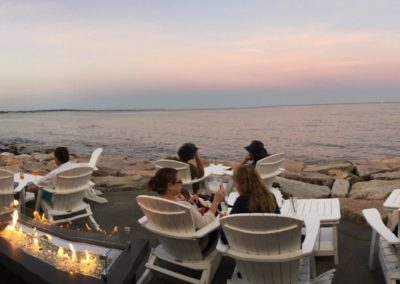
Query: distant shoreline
point(191, 109)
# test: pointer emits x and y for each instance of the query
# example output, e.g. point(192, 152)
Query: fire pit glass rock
point(72, 257)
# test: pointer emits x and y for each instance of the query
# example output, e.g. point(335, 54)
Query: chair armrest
point(51, 190)
point(197, 179)
point(207, 229)
point(312, 231)
point(374, 219)
point(221, 247)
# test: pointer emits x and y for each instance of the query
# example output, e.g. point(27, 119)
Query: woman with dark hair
point(169, 186)
point(256, 151)
point(254, 196)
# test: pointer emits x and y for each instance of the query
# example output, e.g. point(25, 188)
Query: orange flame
point(115, 230)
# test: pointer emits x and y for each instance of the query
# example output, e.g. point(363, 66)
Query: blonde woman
point(254, 197)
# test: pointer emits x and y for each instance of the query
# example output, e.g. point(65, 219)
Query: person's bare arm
point(199, 165)
point(218, 197)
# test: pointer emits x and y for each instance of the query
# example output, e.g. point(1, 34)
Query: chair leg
point(335, 245)
point(38, 199)
point(372, 250)
point(93, 223)
point(147, 274)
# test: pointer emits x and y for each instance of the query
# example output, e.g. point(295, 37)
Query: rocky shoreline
point(359, 184)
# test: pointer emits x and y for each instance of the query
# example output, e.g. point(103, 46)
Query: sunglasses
point(178, 181)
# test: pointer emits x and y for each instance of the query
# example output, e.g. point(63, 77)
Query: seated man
point(187, 152)
point(61, 157)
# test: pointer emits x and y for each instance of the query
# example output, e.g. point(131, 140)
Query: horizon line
point(192, 109)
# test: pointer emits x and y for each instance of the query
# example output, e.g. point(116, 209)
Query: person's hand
point(194, 198)
point(219, 195)
point(248, 158)
point(223, 214)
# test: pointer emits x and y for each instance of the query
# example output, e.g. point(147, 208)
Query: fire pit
point(50, 252)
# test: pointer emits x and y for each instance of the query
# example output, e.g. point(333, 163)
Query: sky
point(171, 54)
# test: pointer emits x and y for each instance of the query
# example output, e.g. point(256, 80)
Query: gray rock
point(366, 168)
point(325, 168)
point(111, 166)
point(302, 190)
point(351, 209)
point(23, 157)
point(387, 175)
point(374, 189)
point(41, 157)
point(309, 177)
point(340, 188)
point(292, 166)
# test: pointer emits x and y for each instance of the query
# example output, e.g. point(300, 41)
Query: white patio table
point(328, 212)
point(22, 183)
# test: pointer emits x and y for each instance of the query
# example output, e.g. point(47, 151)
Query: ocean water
point(312, 133)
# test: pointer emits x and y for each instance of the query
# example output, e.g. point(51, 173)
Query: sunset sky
point(197, 54)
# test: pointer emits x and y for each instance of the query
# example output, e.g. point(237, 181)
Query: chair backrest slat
point(262, 234)
point(95, 157)
point(75, 181)
point(6, 190)
point(270, 164)
point(167, 216)
point(268, 236)
point(182, 168)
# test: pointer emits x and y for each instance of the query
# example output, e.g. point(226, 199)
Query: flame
point(115, 230)
point(87, 256)
point(60, 252)
point(39, 218)
point(88, 227)
point(15, 203)
point(71, 247)
point(14, 219)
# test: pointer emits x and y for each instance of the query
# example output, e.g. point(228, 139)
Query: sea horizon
point(194, 109)
point(311, 133)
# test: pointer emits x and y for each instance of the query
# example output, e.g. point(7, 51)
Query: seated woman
point(254, 196)
point(169, 186)
point(256, 152)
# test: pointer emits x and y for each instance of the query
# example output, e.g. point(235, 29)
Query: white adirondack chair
point(183, 172)
point(268, 168)
point(67, 200)
point(92, 193)
point(384, 243)
point(180, 243)
point(267, 248)
point(6, 191)
point(93, 159)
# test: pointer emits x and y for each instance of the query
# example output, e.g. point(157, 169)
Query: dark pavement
point(354, 240)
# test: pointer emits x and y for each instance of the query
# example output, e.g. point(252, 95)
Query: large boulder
point(293, 166)
point(366, 168)
point(340, 188)
point(42, 157)
point(23, 157)
point(325, 168)
point(387, 175)
point(309, 177)
point(302, 190)
point(351, 209)
point(374, 189)
point(110, 166)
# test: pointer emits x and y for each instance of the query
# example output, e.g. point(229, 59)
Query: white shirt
point(49, 180)
point(200, 221)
